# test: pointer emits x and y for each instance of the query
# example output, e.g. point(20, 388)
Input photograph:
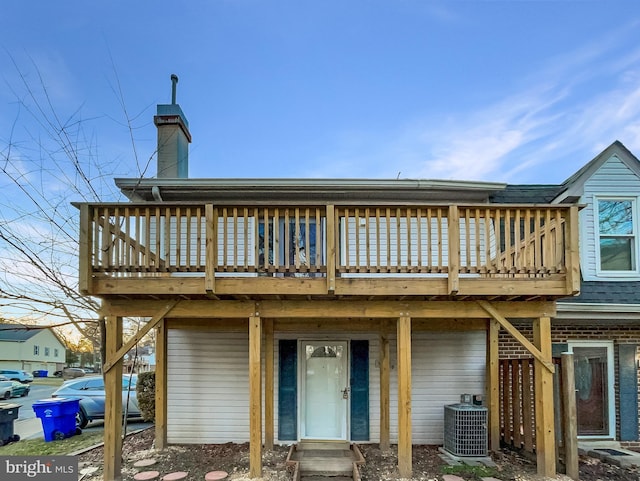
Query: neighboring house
point(141, 360)
point(601, 326)
point(355, 309)
point(30, 349)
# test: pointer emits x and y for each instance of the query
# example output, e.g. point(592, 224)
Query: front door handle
point(345, 393)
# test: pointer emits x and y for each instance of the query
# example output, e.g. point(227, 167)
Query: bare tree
point(47, 161)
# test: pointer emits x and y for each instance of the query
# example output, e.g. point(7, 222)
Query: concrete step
point(326, 467)
point(322, 445)
point(326, 478)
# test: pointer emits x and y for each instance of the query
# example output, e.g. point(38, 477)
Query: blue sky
point(518, 91)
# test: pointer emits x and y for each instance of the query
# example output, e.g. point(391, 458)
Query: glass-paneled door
point(326, 390)
point(593, 363)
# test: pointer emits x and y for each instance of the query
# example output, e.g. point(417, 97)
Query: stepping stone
point(143, 463)
point(88, 470)
point(490, 478)
point(175, 476)
point(215, 475)
point(146, 475)
point(452, 477)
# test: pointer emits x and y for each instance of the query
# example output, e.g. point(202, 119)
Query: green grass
point(47, 381)
point(473, 472)
point(37, 447)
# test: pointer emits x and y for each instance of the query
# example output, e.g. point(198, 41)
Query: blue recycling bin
point(58, 417)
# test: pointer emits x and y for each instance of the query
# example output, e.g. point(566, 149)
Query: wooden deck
point(429, 252)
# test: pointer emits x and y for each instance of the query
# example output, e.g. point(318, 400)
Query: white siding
point(444, 365)
point(613, 178)
point(208, 387)
point(208, 382)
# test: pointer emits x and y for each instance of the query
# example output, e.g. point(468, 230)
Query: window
point(46, 351)
point(56, 353)
point(617, 235)
point(36, 350)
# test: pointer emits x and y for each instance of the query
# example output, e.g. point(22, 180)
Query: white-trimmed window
point(616, 228)
point(47, 351)
point(36, 350)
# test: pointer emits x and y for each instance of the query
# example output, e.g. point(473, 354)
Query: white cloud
point(540, 132)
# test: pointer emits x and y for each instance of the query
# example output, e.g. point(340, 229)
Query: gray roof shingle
point(16, 332)
point(606, 292)
point(527, 194)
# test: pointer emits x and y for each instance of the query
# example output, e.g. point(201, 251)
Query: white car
point(17, 375)
point(6, 387)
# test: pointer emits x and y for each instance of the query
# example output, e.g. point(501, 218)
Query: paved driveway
point(38, 392)
point(28, 426)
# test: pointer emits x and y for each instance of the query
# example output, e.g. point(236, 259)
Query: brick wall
point(512, 349)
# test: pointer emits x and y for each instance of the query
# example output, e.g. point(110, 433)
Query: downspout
point(155, 191)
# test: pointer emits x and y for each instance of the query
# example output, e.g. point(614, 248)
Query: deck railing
point(138, 240)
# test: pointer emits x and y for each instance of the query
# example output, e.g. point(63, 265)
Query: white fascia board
point(594, 311)
point(321, 183)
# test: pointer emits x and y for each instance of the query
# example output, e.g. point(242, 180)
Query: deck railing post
point(572, 252)
point(454, 250)
point(210, 258)
point(331, 248)
point(85, 275)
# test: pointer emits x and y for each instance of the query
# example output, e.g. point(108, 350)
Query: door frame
point(302, 367)
point(611, 400)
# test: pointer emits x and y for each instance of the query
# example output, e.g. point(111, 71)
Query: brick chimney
point(173, 138)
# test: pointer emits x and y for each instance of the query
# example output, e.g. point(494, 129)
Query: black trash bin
point(8, 414)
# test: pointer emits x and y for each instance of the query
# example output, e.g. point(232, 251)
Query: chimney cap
point(174, 82)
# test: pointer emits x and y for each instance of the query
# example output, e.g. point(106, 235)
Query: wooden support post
point(331, 248)
point(385, 425)
point(85, 252)
point(454, 250)
point(210, 249)
point(404, 397)
point(268, 384)
point(492, 393)
point(569, 424)
point(255, 397)
point(543, 385)
point(113, 403)
point(161, 385)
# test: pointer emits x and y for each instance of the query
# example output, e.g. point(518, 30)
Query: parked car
point(17, 375)
point(6, 385)
point(72, 372)
point(57, 373)
point(90, 390)
point(19, 389)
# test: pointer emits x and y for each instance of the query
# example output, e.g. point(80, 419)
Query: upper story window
point(36, 350)
point(46, 351)
point(56, 353)
point(617, 235)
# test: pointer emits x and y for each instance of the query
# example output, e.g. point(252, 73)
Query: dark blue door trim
point(359, 390)
point(288, 390)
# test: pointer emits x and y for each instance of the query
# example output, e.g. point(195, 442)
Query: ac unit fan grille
point(465, 430)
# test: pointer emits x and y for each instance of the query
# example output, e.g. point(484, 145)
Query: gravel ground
point(234, 459)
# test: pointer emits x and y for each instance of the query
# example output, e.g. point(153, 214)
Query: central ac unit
point(465, 430)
